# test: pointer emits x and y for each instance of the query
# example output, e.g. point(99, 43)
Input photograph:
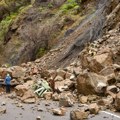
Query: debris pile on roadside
point(92, 79)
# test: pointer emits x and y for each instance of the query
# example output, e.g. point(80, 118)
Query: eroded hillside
point(29, 30)
point(58, 29)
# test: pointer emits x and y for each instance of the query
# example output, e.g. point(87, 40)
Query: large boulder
point(17, 71)
point(4, 71)
point(66, 100)
point(92, 64)
point(21, 89)
point(28, 97)
point(91, 83)
point(105, 59)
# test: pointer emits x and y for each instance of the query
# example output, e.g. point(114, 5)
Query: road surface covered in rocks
point(19, 111)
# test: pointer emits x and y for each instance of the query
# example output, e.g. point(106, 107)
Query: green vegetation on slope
point(5, 23)
point(70, 4)
point(41, 52)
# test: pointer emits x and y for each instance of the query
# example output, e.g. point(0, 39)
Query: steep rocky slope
point(32, 29)
point(64, 27)
point(81, 55)
point(105, 18)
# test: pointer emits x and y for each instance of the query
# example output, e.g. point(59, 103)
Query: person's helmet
point(8, 74)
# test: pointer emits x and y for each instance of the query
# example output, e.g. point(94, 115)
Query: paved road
point(30, 112)
point(103, 115)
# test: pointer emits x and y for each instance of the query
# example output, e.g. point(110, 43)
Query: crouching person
point(7, 83)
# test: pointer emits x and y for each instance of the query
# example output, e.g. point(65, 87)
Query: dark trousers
point(7, 88)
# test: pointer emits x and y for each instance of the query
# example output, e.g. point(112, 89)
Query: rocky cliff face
point(65, 26)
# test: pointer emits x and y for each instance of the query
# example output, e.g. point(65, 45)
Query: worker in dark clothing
point(7, 83)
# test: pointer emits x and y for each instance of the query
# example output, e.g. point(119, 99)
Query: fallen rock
point(55, 97)
point(29, 100)
point(113, 89)
point(17, 71)
point(39, 109)
point(72, 77)
point(52, 73)
point(61, 73)
point(59, 78)
point(93, 108)
point(91, 83)
point(48, 95)
point(83, 99)
point(4, 71)
point(78, 115)
point(106, 59)
point(69, 83)
point(105, 101)
point(92, 98)
point(2, 110)
point(64, 85)
point(117, 101)
point(118, 85)
point(20, 90)
point(107, 71)
point(92, 64)
point(68, 75)
point(111, 94)
point(111, 79)
point(38, 118)
point(29, 97)
point(59, 111)
point(66, 100)
point(3, 103)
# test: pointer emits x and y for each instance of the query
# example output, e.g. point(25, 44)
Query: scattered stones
point(38, 118)
point(3, 110)
point(93, 108)
point(78, 115)
point(39, 109)
point(83, 99)
point(65, 101)
point(59, 111)
point(3, 103)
